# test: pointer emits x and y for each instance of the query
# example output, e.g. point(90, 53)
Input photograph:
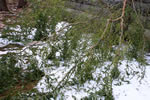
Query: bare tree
point(3, 5)
point(21, 3)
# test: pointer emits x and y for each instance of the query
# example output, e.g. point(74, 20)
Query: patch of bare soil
point(19, 88)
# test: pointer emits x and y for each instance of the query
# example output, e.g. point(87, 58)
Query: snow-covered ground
point(136, 89)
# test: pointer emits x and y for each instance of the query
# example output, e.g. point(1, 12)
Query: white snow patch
point(3, 52)
point(136, 89)
point(57, 54)
point(4, 42)
point(61, 28)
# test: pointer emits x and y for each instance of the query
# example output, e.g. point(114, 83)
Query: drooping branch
point(121, 18)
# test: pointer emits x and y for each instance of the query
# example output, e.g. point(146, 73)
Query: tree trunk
point(3, 5)
point(21, 3)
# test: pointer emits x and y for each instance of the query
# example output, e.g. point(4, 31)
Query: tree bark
point(3, 5)
point(21, 3)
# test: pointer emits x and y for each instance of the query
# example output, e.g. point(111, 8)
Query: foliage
point(8, 72)
point(88, 45)
point(39, 16)
point(13, 76)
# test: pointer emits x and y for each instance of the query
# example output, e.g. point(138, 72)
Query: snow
point(135, 90)
point(4, 42)
point(3, 52)
point(57, 54)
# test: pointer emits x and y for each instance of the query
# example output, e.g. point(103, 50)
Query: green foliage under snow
point(84, 44)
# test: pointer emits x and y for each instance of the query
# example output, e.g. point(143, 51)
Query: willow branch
point(121, 18)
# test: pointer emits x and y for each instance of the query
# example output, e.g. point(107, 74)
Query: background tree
point(3, 5)
point(21, 3)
